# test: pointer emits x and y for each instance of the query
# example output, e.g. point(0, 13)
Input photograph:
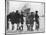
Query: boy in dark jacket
point(22, 20)
point(37, 20)
point(31, 20)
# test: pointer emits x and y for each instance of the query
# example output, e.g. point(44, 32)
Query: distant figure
point(17, 19)
point(37, 20)
point(12, 17)
point(27, 22)
point(22, 20)
point(31, 20)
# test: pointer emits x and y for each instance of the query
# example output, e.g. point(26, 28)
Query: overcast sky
point(13, 6)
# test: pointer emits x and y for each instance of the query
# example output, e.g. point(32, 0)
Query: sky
point(13, 6)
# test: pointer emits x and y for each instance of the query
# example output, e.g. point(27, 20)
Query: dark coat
point(14, 17)
point(17, 17)
point(36, 18)
point(30, 19)
point(22, 20)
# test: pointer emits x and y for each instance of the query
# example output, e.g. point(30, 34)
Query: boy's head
point(16, 11)
point(36, 11)
point(32, 13)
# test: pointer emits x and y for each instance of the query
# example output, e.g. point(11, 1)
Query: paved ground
point(41, 29)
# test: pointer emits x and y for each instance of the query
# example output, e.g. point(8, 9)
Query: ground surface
point(13, 32)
